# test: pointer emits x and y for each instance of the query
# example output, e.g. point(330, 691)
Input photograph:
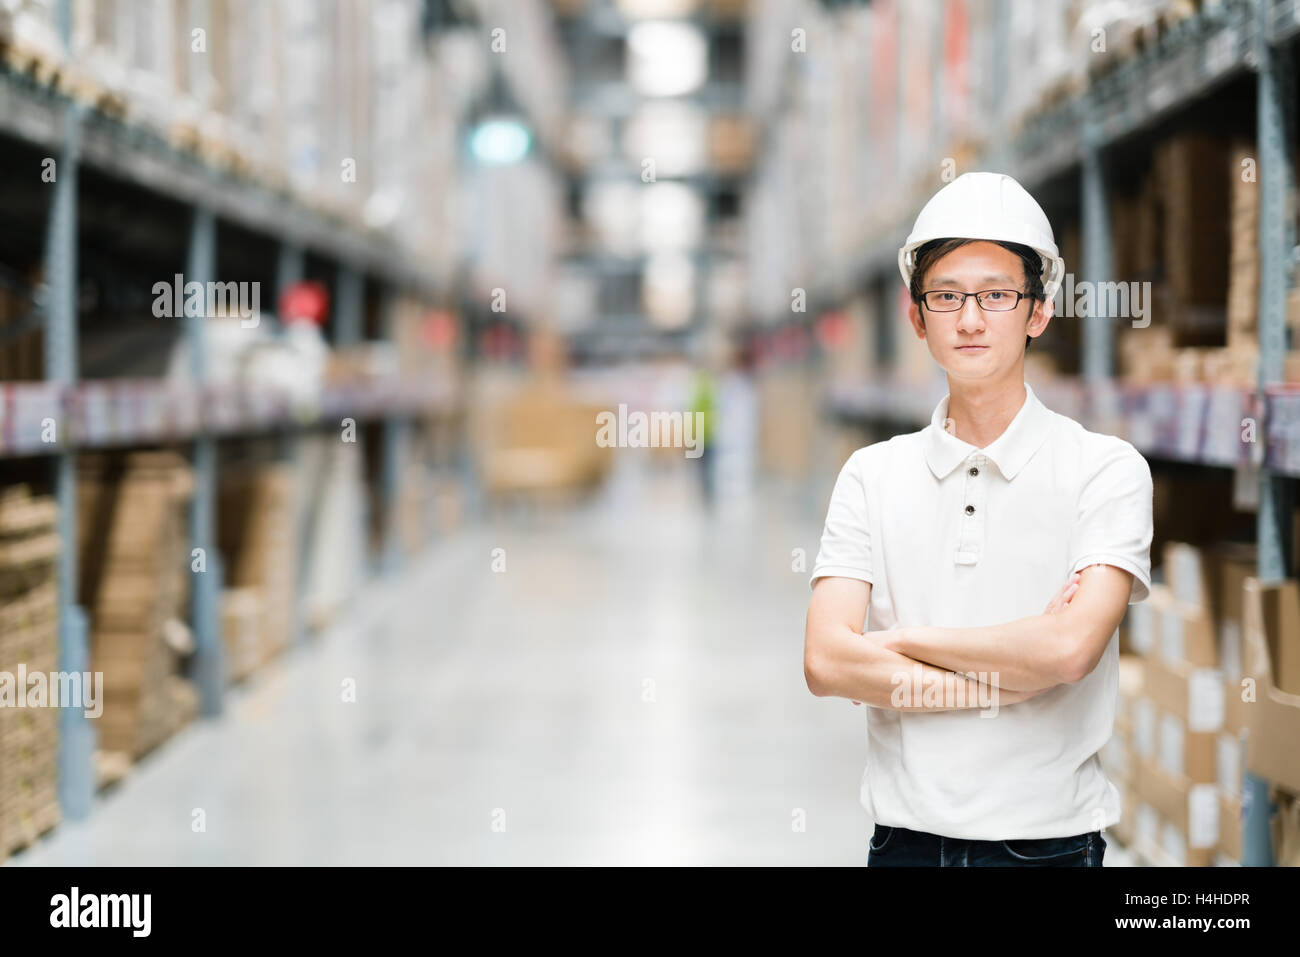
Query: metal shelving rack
point(629, 333)
point(115, 413)
point(1167, 421)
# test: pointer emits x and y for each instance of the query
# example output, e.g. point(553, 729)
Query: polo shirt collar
point(1009, 451)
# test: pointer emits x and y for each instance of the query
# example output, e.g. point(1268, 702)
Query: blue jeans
point(902, 847)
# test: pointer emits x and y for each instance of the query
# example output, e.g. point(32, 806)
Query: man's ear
point(1040, 317)
point(918, 323)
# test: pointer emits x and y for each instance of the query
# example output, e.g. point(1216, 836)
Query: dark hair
point(927, 254)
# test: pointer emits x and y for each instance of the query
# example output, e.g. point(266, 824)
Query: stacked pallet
point(134, 586)
point(1192, 230)
point(1243, 239)
point(28, 637)
point(542, 441)
point(1243, 280)
point(1191, 168)
point(241, 631)
point(257, 537)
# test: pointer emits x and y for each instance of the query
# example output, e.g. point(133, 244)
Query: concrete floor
point(628, 690)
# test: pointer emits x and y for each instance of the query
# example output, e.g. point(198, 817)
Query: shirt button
point(970, 509)
point(974, 470)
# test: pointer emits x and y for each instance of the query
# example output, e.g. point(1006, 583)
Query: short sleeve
point(846, 538)
point(1114, 521)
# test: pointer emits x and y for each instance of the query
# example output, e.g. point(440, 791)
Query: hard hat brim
point(1052, 273)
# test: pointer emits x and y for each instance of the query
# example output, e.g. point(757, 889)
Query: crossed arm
point(1029, 655)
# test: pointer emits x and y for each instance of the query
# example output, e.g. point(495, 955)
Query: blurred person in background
point(949, 541)
point(737, 430)
point(704, 413)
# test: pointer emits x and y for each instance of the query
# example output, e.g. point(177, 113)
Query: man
point(951, 540)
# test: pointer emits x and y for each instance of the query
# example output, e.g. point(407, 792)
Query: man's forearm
point(1028, 654)
point(859, 667)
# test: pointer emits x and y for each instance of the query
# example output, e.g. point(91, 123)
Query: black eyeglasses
point(990, 300)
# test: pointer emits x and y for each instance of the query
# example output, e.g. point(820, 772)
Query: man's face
point(971, 342)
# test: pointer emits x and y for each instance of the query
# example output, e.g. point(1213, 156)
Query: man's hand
point(1057, 605)
point(1062, 597)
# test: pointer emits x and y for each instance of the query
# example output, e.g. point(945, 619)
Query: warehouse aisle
point(625, 688)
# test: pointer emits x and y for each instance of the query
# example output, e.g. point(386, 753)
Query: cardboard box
point(1230, 823)
point(1189, 754)
point(1230, 761)
point(1192, 808)
point(1142, 626)
point(1235, 565)
point(241, 616)
point(1143, 742)
point(1192, 575)
point(1285, 825)
point(1191, 172)
point(1235, 703)
point(1175, 850)
point(1187, 636)
point(1132, 676)
point(1273, 719)
point(1281, 618)
point(1196, 695)
point(1243, 241)
point(1159, 843)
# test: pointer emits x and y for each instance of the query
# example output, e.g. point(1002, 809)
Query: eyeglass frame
point(1020, 295)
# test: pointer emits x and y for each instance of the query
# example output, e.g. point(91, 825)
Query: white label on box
point(1172, 742)
point(1227, 752)
point(1141, 628)
point(1144, 727)
point(1186, 574)
point(1172, 645)
point(1173, 844)
point(1146, 825)
point(1245, 487)
point(1203, 815)
point(1230, 648)
point(1205, 700)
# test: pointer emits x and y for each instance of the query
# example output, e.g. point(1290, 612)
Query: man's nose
point(971, 317)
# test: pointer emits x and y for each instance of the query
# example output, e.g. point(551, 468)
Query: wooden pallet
point(30, 61)
point(20, 835)
point(1123, 43)
point(23, 517)
point(1060, 91)
point(184, 136)
point(216, 152)
point(81, 85)
point(111, 767)
point(1177, 12)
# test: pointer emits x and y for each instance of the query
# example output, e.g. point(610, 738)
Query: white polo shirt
point(954, 536)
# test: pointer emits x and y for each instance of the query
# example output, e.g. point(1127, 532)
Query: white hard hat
point(989, 206)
